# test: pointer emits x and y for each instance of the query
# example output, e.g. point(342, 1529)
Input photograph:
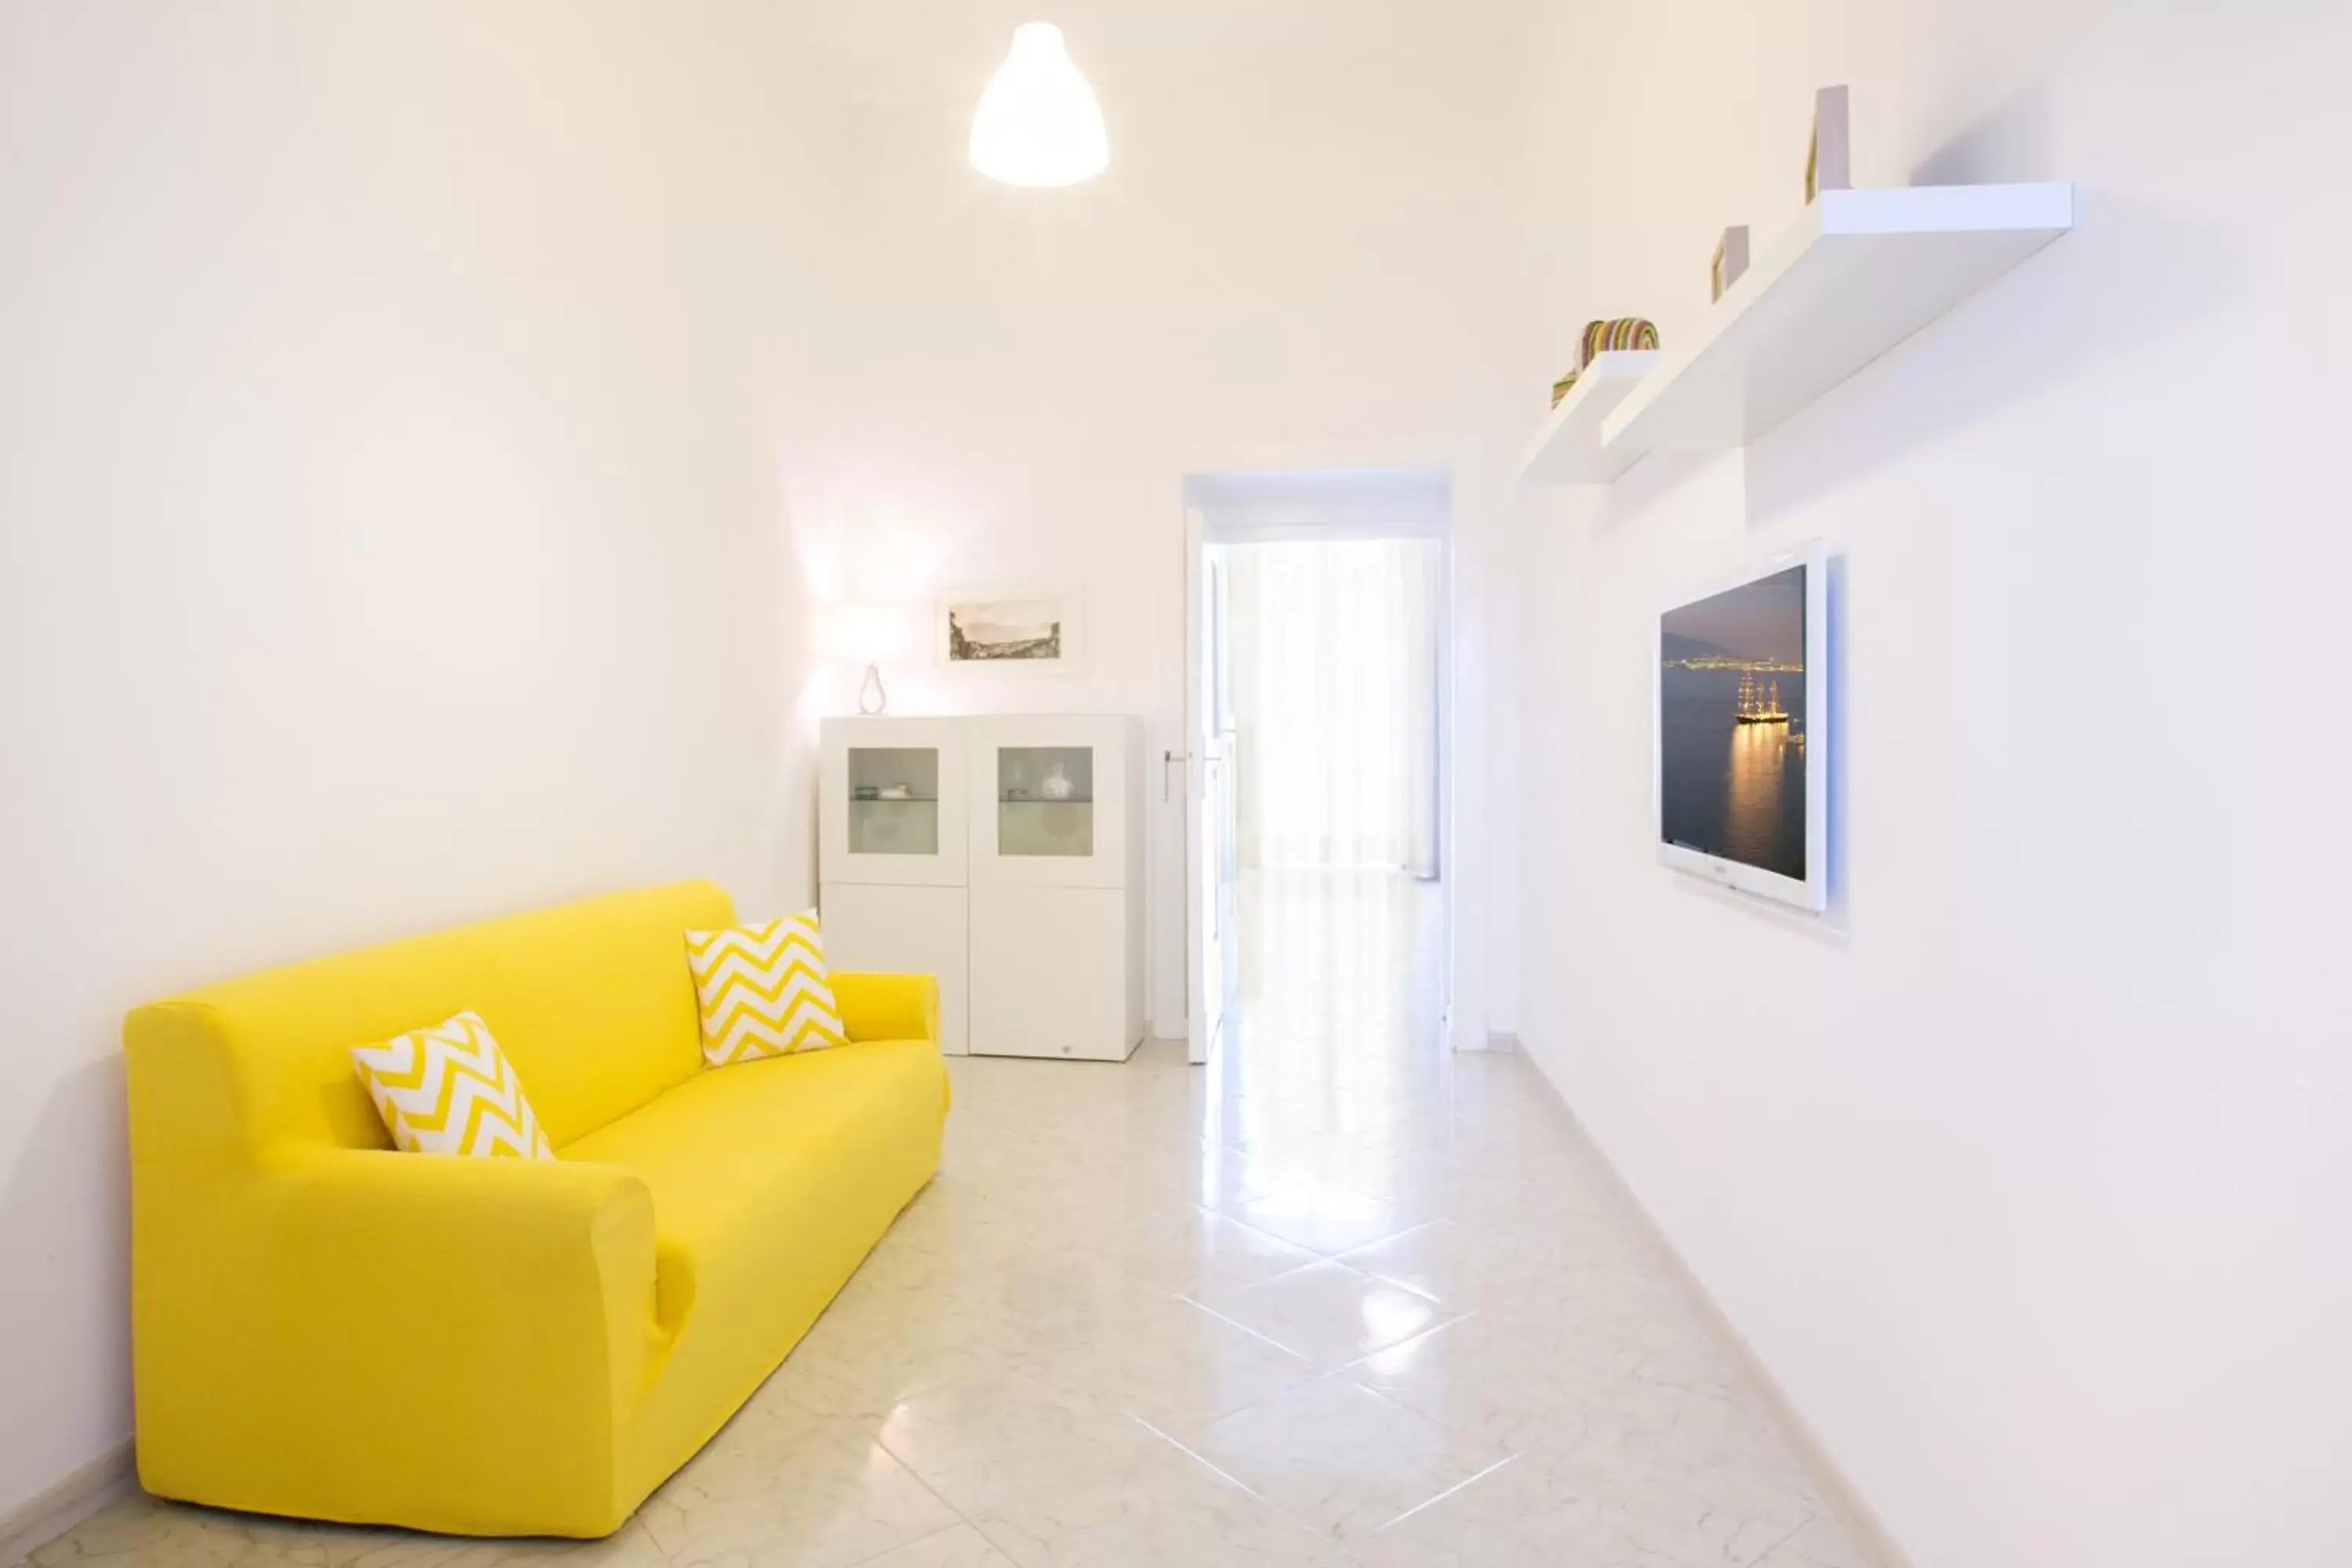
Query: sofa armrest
point(415, 1224)
point(485, 1319)
point(888, 1006)
point(544, 1268)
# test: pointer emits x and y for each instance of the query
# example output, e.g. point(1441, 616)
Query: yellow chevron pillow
point(450, 1090)
point(763, 991)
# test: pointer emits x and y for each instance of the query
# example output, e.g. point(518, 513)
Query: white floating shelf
point(1568, 451)
point(1855, 275)
point(1858, 273)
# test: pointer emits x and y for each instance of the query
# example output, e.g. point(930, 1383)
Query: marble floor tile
point(1497, 1382)
point(631, 1546)
point(1174, 1363)
point(1446, 1262)
point(141, 1533)
point(1588, 1503)
point(1339, 1458)
point(1515, 1515)
point(1819, 1542)
point(987, 1440)
point(138, 1531)
point(1157, 1508)
point(821, 1503)
point(1326, 1312)
point(889, 1354)
point(1323, 1218)
point(960, 1546)
point(1340, 1299)
point(1196, 1250)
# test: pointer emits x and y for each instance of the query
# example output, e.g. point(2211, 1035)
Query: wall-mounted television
point(1742, 759)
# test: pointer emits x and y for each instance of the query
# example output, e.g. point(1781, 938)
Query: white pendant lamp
point(1038, 122)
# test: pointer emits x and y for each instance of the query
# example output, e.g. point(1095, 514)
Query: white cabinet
point(892, 821)
point(1056, 887)
point(1004, 854)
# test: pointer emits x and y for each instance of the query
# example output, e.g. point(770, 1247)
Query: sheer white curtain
point(1333, 657)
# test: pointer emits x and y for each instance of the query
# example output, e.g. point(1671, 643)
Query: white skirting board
point(1853, 1511)
point(49, 1513)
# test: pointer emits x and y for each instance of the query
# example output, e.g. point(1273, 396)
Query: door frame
point(1469, 649)
point(1202, 1035)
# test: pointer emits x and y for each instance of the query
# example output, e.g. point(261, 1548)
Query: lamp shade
point(1038, 122)
point(864, 634)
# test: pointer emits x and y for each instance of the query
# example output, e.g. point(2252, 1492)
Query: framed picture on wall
point(1032, 630)
point(1730, 261)
point(1829, 157)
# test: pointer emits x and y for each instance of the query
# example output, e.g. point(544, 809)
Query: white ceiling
point(881, 49)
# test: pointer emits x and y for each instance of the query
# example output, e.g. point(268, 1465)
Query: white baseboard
point(49, 1513)
point(1862, 1521)
point(1503, 1040)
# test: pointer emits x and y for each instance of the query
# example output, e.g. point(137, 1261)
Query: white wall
point(1294, 260)
point(2025, 1169)
point(396, 405)
point(384, 386)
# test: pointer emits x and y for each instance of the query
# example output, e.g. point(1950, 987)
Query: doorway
point(1319, 663)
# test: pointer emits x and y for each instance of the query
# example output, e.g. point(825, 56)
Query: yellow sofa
point(328, 1328)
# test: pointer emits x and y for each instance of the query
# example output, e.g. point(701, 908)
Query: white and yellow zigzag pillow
point(763, 991)
point(450, 1090)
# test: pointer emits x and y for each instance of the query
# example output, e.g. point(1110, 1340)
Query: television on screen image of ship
point(1759, 704)
point(1738, 747)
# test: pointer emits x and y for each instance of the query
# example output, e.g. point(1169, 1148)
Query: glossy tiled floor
point(1340, 1299)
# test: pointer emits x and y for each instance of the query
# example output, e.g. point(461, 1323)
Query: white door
point(1212, 959)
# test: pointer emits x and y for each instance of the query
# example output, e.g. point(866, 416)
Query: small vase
point(1057, 785)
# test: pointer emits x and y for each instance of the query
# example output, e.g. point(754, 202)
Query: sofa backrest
point(592, 1002)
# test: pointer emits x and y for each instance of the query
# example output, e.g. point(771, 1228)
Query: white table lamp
point(869, 635)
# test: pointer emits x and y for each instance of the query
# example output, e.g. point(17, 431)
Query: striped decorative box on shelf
point(1622, 332)
point(1605, 337)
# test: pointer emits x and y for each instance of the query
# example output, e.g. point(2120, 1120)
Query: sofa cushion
point(763, 991)
point(757, 1169)
point(450, 1090)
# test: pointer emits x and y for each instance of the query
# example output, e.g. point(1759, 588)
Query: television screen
point(1737, 765)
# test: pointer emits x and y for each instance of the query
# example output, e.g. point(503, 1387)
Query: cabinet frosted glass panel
point(1046, 800)
point(894, 800)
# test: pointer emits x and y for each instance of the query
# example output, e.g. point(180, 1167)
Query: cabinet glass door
point(893, 798)
point(1050, 801)
point(1046, 800)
